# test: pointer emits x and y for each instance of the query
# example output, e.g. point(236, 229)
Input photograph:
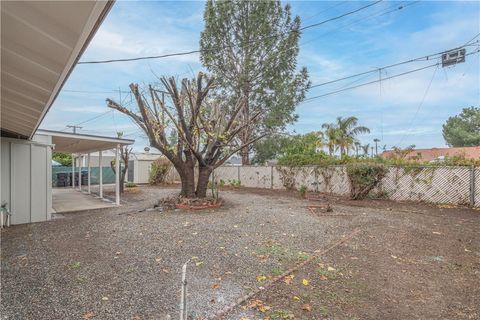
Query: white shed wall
point(141, 171)
point(26, 179)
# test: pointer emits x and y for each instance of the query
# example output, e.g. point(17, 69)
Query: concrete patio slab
point(69, 200)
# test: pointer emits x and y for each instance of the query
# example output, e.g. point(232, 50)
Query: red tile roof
point(435, 153)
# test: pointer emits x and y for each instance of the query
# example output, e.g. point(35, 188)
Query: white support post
point(100, 173)
point(88, 173)
point(80, 173)
point(73, 171)
point(117, 175)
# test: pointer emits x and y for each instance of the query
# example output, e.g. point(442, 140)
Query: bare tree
point(207, 130)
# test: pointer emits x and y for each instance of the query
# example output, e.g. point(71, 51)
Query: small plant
point(235, 183)
point(281, 314)
point(130, 184)
point(221, 183)
point(364, 177)
point(214, 188)
point(276, 271)
point(74, 265)
point(303, 191)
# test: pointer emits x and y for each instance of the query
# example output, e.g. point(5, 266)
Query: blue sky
point(393, 110)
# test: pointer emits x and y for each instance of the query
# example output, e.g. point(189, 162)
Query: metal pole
point(100, 173)
point(88, 173)
point(271, 177)
point(472, 186)
point(73, 171)
point(183, 297)
point(117, 176)
point(80, 173)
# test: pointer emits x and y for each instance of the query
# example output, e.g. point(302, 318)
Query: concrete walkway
point(69, 200)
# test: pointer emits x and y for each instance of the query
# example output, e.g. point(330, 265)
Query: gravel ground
point(119, 263)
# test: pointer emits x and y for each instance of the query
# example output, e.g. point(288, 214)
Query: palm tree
point(348, 129)
point(330, 136)
point(376, 145)
point(357, 147)
point(365, 149)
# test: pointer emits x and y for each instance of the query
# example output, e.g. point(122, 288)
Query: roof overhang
point(82, 143)
point(41, 43)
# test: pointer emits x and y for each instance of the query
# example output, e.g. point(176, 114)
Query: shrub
point(130, 185)
point(159, 170)
point(303, 191)
point(364, 177)
point(235, 183)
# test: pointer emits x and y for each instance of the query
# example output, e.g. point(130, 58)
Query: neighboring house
point(40, 45)
point(437, 154)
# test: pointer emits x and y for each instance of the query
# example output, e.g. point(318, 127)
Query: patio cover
point(41, 42)
point(82, 143)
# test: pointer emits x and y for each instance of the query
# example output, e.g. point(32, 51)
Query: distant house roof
point(437, 153)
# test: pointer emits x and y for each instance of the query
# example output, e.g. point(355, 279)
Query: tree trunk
point(245, 156)
point(187, 179)
point(202, 183)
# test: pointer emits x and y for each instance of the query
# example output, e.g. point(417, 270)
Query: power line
point(198, 51)
point(340, 16)
point(423, 58)
point(383, 79)
point(397, 7)
point(419, 107)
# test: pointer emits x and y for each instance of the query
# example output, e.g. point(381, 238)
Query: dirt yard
point(363, 260)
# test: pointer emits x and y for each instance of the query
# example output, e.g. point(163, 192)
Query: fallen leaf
point(199, 263)
point(88, 315)
point(307, 307)
point(261, 278)
point(394, 257)
point(288, 279)
point(330, 269)
point(466, 250)
point(305, 282)
point(158, 259)
point(323, 278)
point(215, 286)
point(105, 298)
point(435, 232)
point(263, 308)
point(296, 298)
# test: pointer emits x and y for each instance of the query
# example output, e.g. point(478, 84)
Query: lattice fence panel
point(430, 184)
point(256, 177)
point(227, 173)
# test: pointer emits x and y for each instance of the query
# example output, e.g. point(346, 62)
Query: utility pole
point(74, 127)
point(372, 152)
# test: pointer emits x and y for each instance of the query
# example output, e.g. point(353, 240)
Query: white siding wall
point(141, 171)
point(26, 179)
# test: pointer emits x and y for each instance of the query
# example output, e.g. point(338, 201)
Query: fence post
point(238, 173)
point(472, 186)
point(271, 177)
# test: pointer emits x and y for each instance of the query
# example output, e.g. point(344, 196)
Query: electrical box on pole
point(453, 57)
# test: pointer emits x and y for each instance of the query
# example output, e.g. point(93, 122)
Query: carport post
point(88, 172)
point(117, 175)
point(73, 171)
point(100, 173)
point(80, 173)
